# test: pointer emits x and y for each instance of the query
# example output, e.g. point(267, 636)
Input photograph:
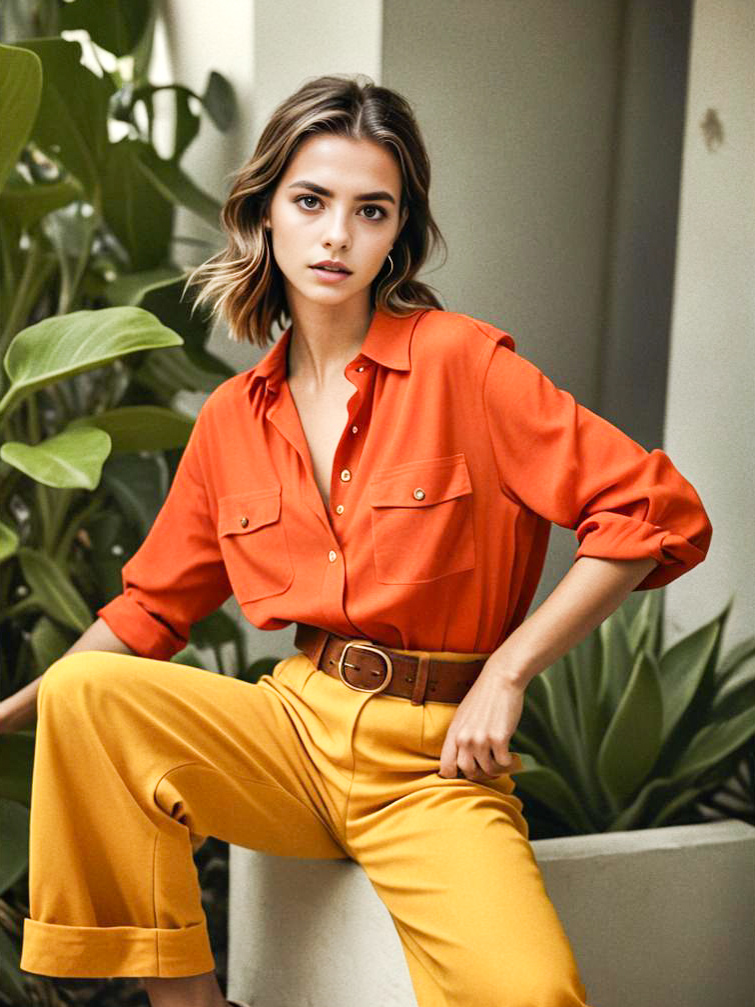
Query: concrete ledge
point(657, 918)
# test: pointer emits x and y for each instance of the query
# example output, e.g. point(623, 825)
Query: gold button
point(332, 556)
point(345, 475)
point(244, 522)
point(419, 494)
point(339, 509)
point(354, 429)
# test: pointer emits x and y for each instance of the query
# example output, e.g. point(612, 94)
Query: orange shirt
point(457, 455)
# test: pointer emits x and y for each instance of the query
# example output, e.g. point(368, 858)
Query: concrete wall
point(710, 412)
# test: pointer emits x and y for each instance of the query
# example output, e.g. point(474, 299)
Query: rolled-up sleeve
point(177, 576)
point(574, 468)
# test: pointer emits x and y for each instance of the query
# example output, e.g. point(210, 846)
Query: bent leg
point(136, 762)
point(452, 865)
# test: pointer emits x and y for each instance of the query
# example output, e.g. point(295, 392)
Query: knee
point(65, 678)
point(546, 988)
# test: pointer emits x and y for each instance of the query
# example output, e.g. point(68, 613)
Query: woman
point(385, 477)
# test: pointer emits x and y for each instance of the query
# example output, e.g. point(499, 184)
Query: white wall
point(710, 417)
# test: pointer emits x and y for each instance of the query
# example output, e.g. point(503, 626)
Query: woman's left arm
point(477, 740)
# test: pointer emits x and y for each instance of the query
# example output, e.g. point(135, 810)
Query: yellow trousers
point(137, 761)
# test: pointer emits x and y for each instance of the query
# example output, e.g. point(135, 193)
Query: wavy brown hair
point(242, 282)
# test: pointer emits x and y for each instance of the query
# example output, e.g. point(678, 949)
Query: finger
point(503, 757)
point(467, 765)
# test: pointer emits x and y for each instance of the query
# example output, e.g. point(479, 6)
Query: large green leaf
point(72, 459)
point(187, 122)
point(8, 541)
point(682, 668)
point(64, 345)
point(634, 736)
point(220, 101)
point(20, 92)
point(738, 693)
point(14, 849)
point(140, 428)
point(26, 203)
point(713, 743)
point(161, 291)
point(53, 590)
point(139, 214)
point(115, 25)
point(16, 766)
point(72, 116)
point(551, 789)
point(168, 373)
point(618, 658)
point(168, 178)
point(563, 723)
point(48, 643)
point(139, 485)
point(132, 288)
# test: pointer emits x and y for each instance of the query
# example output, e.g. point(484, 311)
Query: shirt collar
point(387, 342)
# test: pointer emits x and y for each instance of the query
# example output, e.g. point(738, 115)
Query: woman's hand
point(477, 740)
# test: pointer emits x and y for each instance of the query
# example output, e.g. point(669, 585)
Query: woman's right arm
point(20, 710)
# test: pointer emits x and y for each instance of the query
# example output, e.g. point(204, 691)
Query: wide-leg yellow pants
point(137, 761)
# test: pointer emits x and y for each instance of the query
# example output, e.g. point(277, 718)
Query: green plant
point(622, 734)
point(91, 301)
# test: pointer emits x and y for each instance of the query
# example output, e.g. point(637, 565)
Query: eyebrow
point(371, 196)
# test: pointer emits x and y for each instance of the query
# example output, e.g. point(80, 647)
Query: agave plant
point(623, 734)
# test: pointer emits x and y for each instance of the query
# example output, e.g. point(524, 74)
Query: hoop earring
point(390, 270)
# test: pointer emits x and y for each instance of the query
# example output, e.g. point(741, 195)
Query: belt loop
point(420, 682)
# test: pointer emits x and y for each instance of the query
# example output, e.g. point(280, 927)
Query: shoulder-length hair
point(243, 283)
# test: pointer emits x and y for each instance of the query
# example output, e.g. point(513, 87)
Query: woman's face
point(309, 224)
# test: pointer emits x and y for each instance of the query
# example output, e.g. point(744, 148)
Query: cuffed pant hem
point(52, 949)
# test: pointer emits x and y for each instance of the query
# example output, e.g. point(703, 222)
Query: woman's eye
point(380, 208)
point(368, 206)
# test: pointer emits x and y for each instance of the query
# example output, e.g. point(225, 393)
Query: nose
point(337, 234)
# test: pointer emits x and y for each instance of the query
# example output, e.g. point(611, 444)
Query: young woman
point(385, 477)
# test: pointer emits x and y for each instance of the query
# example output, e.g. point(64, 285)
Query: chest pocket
point(422, 520)
point(254, 544)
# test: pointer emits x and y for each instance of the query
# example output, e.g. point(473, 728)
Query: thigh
point(221, 756)
point(468, 900)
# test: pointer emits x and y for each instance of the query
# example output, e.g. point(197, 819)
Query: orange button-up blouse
point(457, 455)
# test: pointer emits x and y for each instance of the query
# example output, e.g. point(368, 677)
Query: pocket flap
point(420, 483)
point(241, 513)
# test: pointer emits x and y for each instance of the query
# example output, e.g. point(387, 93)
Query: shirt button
point(339, 509)
point(332, 556)
point(354, 429)
point(361, 367)
point(419, 494)
point(345, 475)
point(244, 522)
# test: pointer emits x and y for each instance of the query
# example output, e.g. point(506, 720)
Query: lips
point(331, 267)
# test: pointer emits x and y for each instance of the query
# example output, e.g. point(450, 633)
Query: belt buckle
point(375, 650)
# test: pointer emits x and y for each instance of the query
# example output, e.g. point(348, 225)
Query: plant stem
point(20, 308)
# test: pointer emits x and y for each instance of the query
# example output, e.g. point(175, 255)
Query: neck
point(323, 342)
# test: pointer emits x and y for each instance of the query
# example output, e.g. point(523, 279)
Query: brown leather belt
point(367, 667)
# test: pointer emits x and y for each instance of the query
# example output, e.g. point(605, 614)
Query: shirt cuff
point(143, 632)
point(608, 535)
